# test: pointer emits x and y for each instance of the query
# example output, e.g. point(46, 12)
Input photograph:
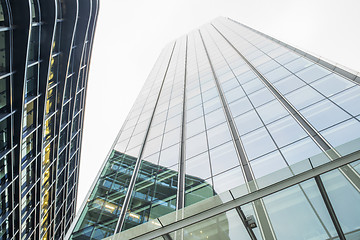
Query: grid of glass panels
point(8, 204)
point(31, 83)
point(71, 111)
point(100, 215)
point(236, 108)
point(303, 200)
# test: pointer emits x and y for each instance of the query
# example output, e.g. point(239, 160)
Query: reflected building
point(45, 49)
point(155, 196)
point(235, 135)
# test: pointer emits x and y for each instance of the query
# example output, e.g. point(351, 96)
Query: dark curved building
point(45, 49)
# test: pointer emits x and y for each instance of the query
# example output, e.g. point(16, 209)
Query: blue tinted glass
point(223, 158)
point(253, 86)
point(230, 84)
point(344, 199)
point(301, 150)
point(324, 114)
point(298, 204)
point(228, 180)
point(194, 113)
point(267, 164)
point(344, 136)
point(212, 105)
point(331, 84)
point(195, 127)
point(196, 145)
point(247, 122)
point(199, 166)
point(214, 118)
point(349, 100)
point(298, 99)
point(246, 77)
point(260, 97)
point(289, 84)
point(218, 135)
point(287, 57)
point(298, 64)
point(269, 66)
point(277, 74)
point(240, 106)
point(209, 94)
point(169, 156)
point(234, 94)
point(171, 137)
point(312, 73)
point(271, 111)
point(285, 131)
point(257, 143)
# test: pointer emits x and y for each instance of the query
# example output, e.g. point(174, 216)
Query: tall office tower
point(235, 135)
point(45, 49)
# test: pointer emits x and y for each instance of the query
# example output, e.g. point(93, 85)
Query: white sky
point(130, 35)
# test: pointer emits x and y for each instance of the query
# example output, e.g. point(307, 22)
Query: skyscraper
point(235, 135)
point(45, 55)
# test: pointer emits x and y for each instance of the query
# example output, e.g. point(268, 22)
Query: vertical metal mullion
point(127, 199)
point(347, 171)
point(316, 59)
point(247, 227)
point(181, 178)
point(329, 207)
point(260, 210)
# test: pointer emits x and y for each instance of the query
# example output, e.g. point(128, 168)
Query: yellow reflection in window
point(46, 160)
point(46, 175)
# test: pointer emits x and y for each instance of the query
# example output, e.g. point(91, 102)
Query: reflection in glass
point(257, 143)
point(102, 210)
point(324, 114)
point(345, 199)
point(312, 73)
point(293, 215)
point(285, 131)
point(349, 100)
point(226, 226)
point(331, 84)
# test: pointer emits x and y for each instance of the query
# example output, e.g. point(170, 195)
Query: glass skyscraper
point(235, 135)
point(45, 49)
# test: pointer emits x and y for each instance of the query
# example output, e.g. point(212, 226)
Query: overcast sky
point(130, 35)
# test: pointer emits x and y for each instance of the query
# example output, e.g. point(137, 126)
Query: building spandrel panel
point(234, 135)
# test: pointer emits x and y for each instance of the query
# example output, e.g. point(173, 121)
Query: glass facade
point(235, 135)
point(45, 51)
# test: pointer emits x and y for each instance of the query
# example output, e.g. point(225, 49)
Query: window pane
point(289, 84)
point(285, 131)
point(218, 135)
point(312, 73)
point(349, 100)
point(324, 114)
point(298, 215)
point(297, 98)
point(223, 158)
point(345, 201)
point(331, 84)
point(247, 122)
point(196, 145)
point(271, 111)
point(257, 143)
point(240, 106)
point(199, 166)
point(260, 97)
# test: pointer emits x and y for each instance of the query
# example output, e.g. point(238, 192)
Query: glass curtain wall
point(231, 113)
